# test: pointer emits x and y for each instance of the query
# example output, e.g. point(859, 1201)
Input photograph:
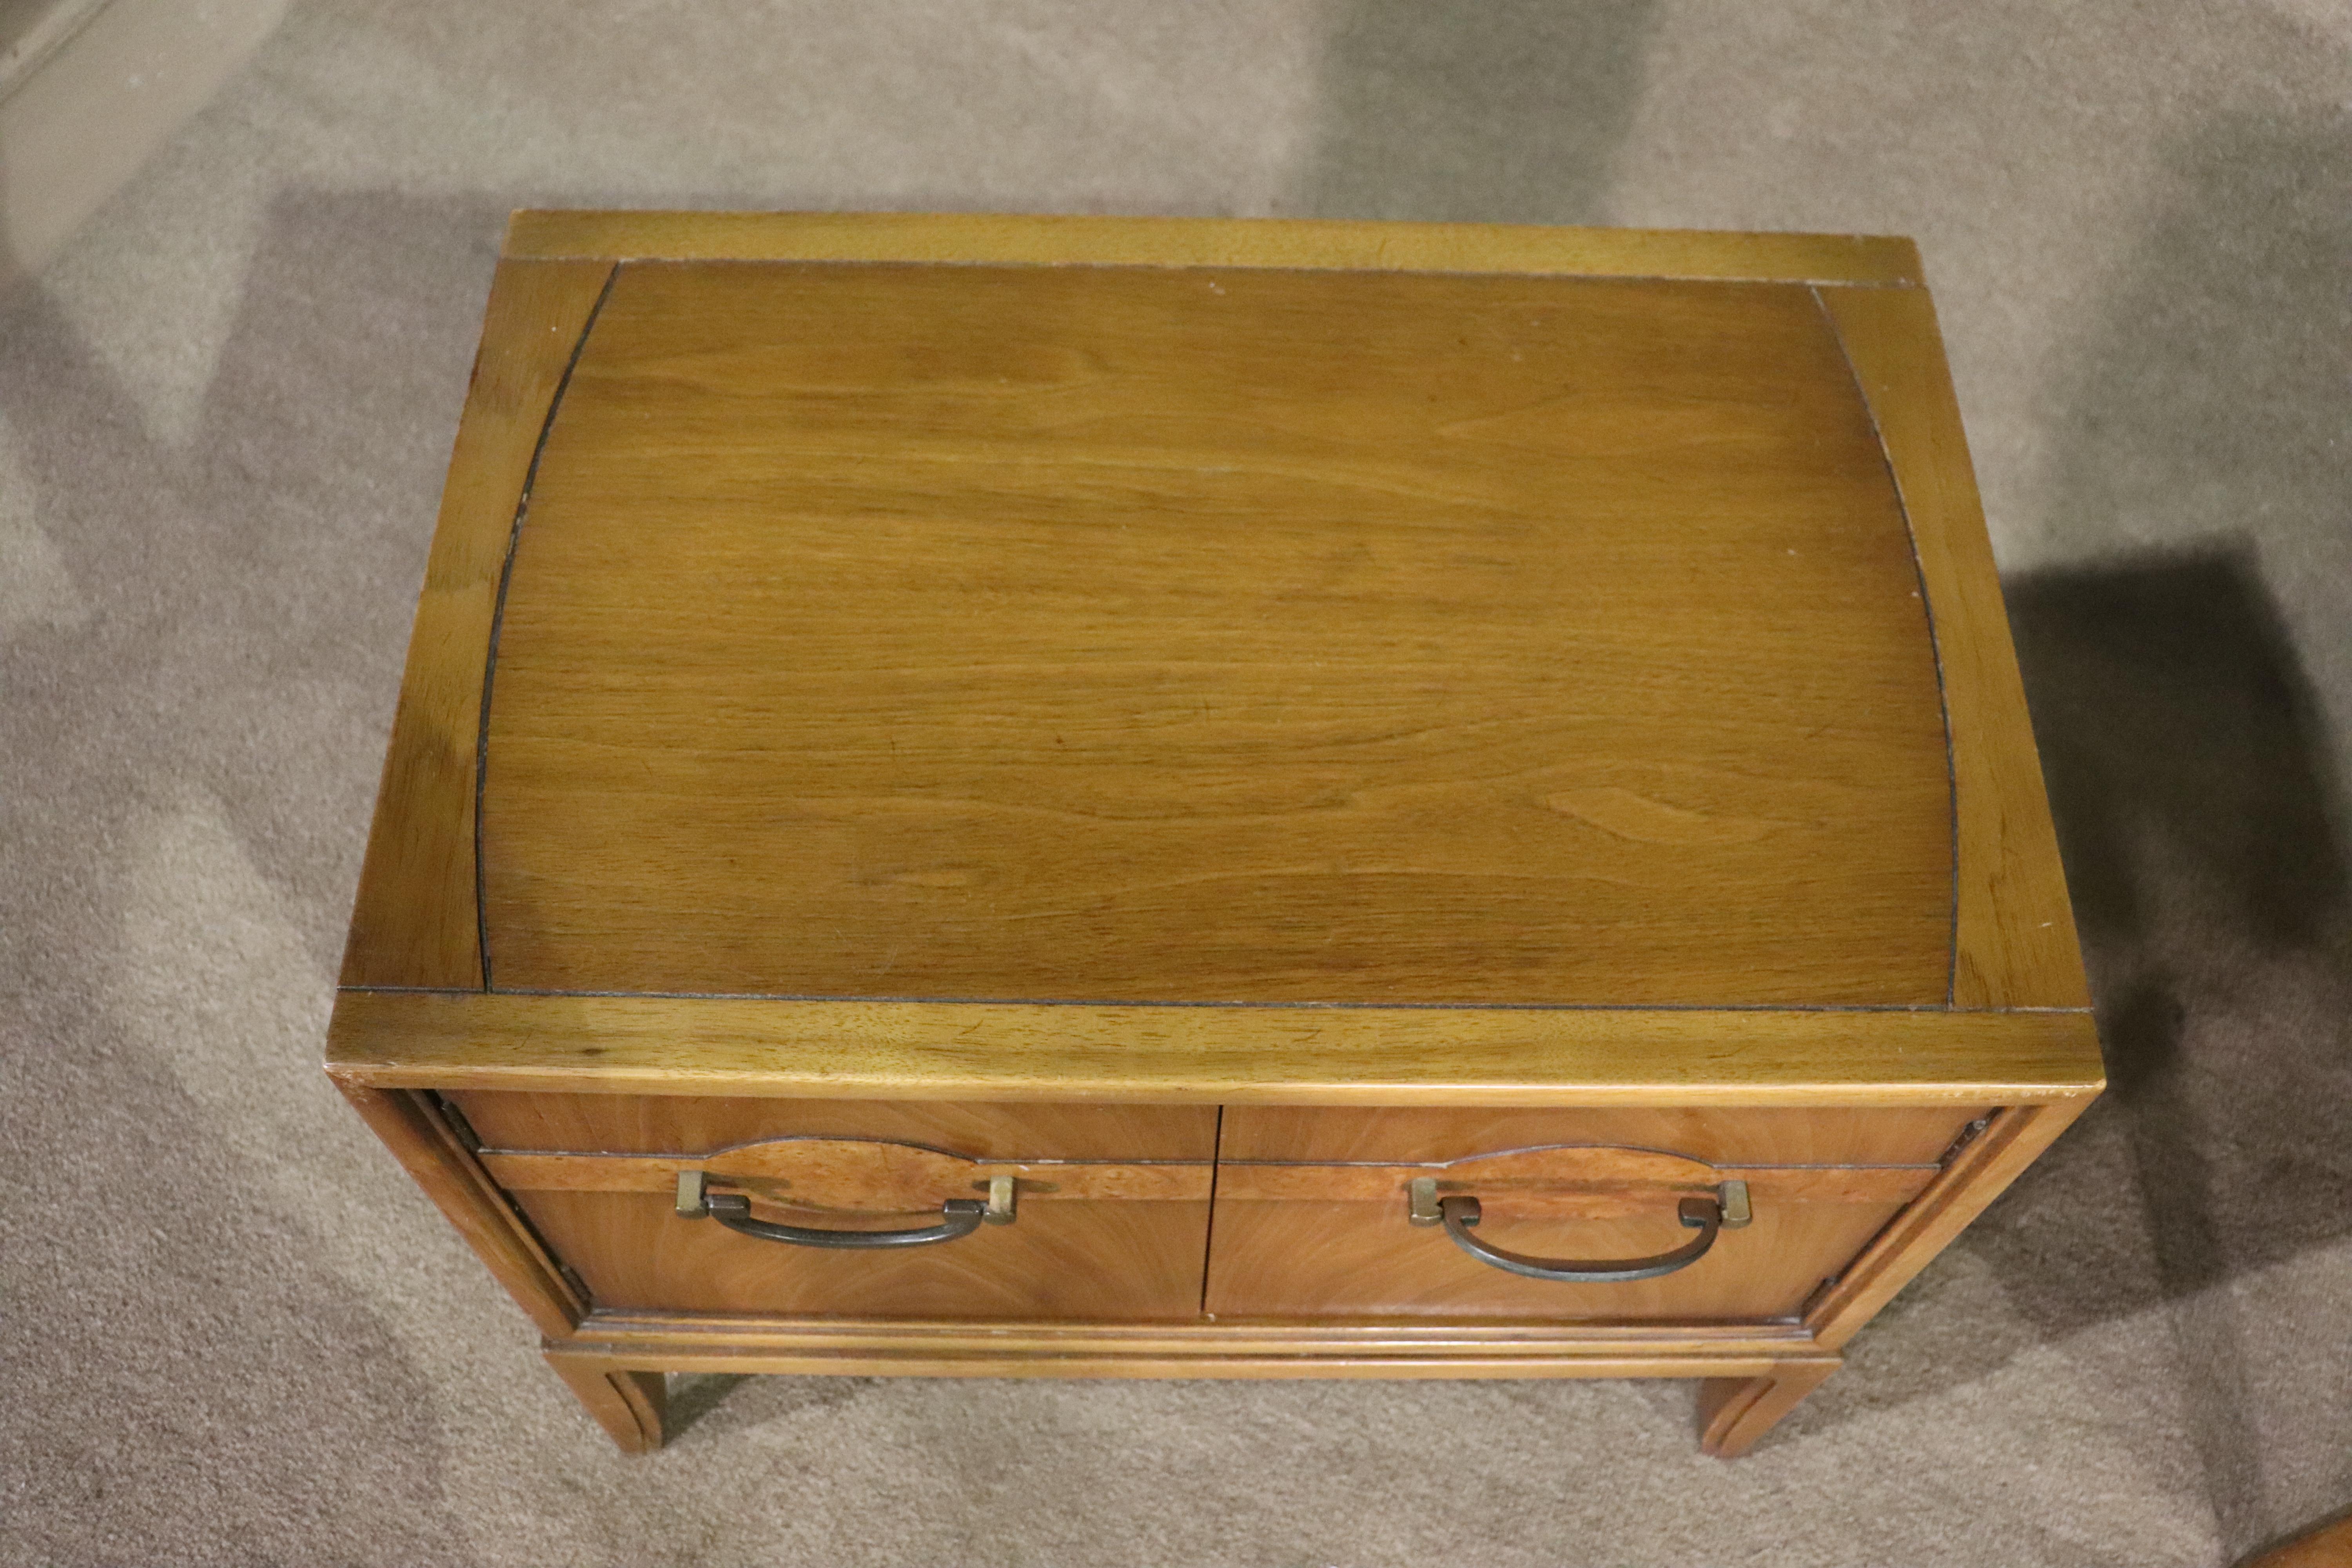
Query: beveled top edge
point(1304, 244)
point(1265, 1056)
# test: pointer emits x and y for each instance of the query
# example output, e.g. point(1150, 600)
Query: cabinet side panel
point(416, 922)
point(1979, 1173)
point(2015, 928)
point(425, 1147)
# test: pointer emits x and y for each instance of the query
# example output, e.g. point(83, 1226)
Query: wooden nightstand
point(1078, 796)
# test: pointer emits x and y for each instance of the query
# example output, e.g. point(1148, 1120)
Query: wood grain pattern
point(962, 613)
point(1586, 1184)
point(1973, 1179)
point(1133, 635)
point(1103, 1261)
point(669, 1124)
point(416, 921)
point(1083, 1354)
point(1329, 1349)
point(2016, 938)
point(622, 1331)
point(423, 1141)
point(841, 1176)
point(1749, 1135)
point(1308, 1259)
point(1233, 1055)
point(1038, 240)
point(825, 1175)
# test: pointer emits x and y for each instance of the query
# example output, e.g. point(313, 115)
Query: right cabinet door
point(1314, 1212)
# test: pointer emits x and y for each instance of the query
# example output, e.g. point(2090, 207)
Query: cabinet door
point(1105, 1210)
point(1314, 1210)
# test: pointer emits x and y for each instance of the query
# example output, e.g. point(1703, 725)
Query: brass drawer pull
point(957, 1217)
point(1728, 1208)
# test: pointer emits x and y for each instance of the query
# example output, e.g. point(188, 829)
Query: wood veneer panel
point(1000, 633)
point(1089, 1351)
point(1231, 1348)
point(1309, 1259)
point(416, 921)
point(869, 1177)
point(1368, 1337)
point(1109, 1260)
point(1234, 1056)
point(1759, 1135)
point(984, 237)
point(659, 1124)
point(2016, 942)
point(881, 1357)
point(1558, 1183)
point(822, 1181)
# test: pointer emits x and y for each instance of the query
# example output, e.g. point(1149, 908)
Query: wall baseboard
point(32, 30)
point(89, 90)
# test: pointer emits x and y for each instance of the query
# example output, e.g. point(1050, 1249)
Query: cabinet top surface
point(871, 628)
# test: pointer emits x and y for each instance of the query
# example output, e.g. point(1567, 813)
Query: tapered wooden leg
point(631, 1405)
point(1734, 1412)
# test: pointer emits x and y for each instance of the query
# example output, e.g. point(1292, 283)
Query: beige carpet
point(233, 1333)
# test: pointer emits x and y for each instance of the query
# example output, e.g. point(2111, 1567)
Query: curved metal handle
point(1705, 1216)
point(957, 1217)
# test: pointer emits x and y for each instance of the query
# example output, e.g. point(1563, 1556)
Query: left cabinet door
point(1108, 1204)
